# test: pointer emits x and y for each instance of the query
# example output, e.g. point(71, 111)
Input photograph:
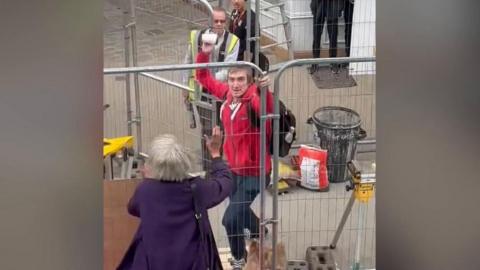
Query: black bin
point(338, 129)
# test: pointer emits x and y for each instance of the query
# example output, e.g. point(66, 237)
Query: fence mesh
point(306, 218)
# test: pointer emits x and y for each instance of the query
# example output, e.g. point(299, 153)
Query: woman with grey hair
point(174, 230)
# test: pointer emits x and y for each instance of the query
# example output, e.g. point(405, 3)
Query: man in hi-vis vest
point(225, 50)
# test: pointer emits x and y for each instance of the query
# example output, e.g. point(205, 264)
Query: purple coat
point(168, 235)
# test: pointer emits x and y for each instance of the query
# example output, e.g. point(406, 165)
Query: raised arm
point(221, 75)
point(205, 78)
point(219, 184)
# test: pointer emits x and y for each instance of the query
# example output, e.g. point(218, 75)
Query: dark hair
point(247, 69)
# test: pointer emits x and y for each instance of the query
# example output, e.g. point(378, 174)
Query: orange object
point(313, 168)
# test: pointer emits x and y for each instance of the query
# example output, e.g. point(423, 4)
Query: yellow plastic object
point(287, 172)
point(282, 186)
point(363, 179)
point(113, 145)
point(363, 192)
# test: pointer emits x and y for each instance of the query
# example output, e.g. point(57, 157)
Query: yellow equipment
point(113, 146)
point(282, 186)
point(362, 184)
point(286, 173)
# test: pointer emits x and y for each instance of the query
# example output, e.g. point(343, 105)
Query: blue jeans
point(238, 215)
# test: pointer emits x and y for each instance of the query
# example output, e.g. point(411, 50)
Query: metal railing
point(276, 94)
point(148, 71)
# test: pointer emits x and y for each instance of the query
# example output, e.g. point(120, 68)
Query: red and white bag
point(313, 168)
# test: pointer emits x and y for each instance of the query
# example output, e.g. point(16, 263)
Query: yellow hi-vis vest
point(227, 46)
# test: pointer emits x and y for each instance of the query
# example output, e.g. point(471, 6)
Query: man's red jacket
point(242, 139)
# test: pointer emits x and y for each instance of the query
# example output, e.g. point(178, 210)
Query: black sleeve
point(313, 7)
point(252, 31)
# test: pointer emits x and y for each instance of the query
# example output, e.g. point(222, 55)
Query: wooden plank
point(118, 226)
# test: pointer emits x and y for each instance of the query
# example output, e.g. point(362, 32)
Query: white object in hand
point(209, 38)
point(289, 135)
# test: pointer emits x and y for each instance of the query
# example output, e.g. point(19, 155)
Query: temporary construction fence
point(142, 33)
point(163, 108)
point(301, 218)
point(155, 105)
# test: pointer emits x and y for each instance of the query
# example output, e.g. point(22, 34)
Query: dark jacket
point(330, 8)
point(240, 30)
point(168, 236)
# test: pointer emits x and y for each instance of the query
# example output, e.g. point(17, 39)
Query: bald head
point(219, 20)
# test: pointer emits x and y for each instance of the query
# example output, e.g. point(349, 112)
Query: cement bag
point(313, 168)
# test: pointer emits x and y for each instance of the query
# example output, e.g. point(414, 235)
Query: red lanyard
point(238, 18)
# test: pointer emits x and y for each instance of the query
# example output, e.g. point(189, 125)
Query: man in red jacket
point(241, 148)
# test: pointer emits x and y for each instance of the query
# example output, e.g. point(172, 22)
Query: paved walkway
point(162, 31)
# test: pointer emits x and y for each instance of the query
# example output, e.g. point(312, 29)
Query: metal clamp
point(270, 116)
point(130, 24)
point(135, 120)
point(269, 221)
point(253, 38)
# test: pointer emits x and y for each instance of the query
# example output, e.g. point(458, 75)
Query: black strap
point(252, 115)
point(221, 53)
point(198, 217)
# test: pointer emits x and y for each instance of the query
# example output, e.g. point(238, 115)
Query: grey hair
point(168, 160)
point(221, 9)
